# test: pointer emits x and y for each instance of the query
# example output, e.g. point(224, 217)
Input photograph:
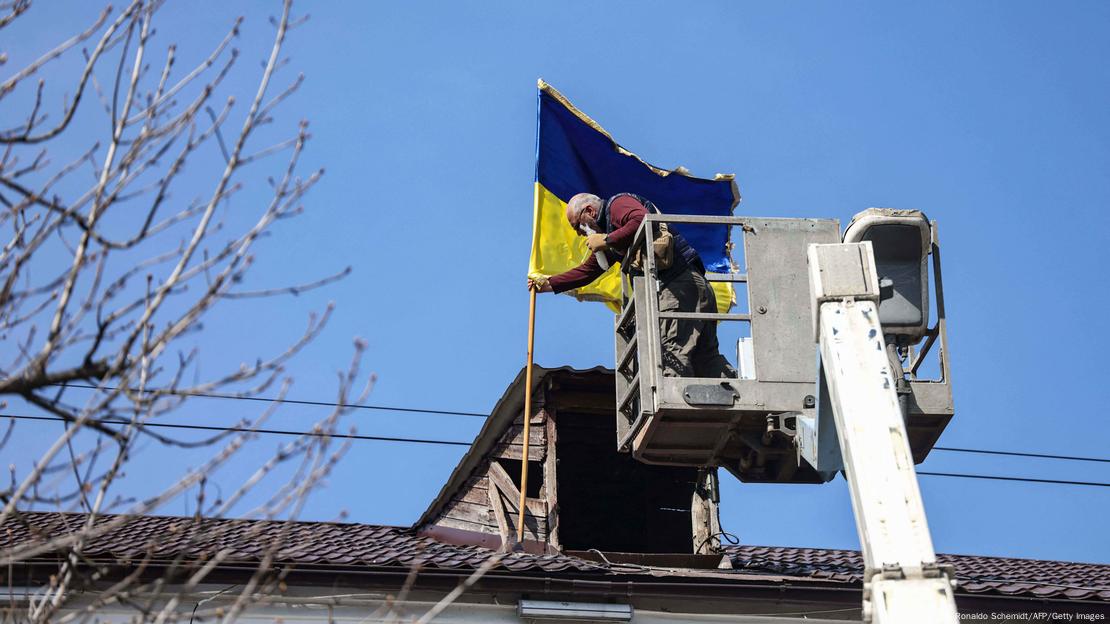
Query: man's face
point(586, 217)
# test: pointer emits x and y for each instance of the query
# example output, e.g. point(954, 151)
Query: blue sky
point(989, 116)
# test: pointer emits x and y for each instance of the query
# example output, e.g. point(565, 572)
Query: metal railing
point(639, 346)
point(939, 330)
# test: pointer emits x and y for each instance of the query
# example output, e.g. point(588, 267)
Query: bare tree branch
point(104, 279)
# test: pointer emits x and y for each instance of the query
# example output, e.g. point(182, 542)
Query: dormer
point(582, 493)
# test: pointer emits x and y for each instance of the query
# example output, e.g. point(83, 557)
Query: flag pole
point(527, 413)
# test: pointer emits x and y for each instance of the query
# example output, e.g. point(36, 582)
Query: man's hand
point(596, 242)
point(539, 283)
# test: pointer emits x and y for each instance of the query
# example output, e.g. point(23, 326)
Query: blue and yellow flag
point(575, 155)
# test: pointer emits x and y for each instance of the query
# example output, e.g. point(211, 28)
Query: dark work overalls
point(689, 346)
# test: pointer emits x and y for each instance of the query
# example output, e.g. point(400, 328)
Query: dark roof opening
point(610, 502)
point(535, 475)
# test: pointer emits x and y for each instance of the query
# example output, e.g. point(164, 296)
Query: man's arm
point(626, 215)
point(579, 276)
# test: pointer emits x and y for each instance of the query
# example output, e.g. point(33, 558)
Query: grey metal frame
point(657, 422)
point(940, 329)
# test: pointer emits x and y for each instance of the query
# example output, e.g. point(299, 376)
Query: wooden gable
point(489, 501)
point(612, 502)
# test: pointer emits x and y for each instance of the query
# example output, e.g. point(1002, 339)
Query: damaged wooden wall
point(489, 501)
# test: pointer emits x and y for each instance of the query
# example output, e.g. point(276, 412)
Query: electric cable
point(216, 395)
point(1017, 454)
point(317, 434)
point(460, 443)
point(416, 410)
point(1003, 478)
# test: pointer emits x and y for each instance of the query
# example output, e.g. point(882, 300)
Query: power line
point(459, 443)
point(1017, 454)
point(416, 410)
point(250, 430)
point(1001, 478)
point(216, 395)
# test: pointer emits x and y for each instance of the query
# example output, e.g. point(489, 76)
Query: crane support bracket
point(841, 272)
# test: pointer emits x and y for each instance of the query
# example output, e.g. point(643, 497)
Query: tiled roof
point(362, 545)
point(301, 543)
point(976, 575)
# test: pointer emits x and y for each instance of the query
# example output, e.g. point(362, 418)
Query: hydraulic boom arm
point(902, 582)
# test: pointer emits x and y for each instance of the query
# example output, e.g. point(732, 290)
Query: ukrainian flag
point(575, 155)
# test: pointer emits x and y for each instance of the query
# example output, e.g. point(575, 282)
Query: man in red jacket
point(690, 347)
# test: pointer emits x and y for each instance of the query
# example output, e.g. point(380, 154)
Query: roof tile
point(323, 543)
point(975, 574)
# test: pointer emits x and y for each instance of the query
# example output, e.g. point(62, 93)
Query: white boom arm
point(902, 582)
